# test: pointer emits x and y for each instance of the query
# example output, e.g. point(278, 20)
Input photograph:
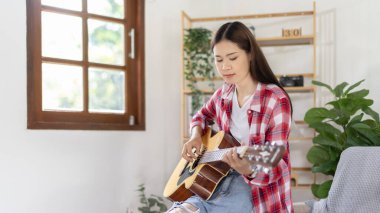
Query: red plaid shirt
point(269, 119)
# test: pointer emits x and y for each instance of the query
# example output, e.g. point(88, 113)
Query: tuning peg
point(266, 170)
point(258, 158)
point(259, 168)
point(250, 157)
point(265, 160)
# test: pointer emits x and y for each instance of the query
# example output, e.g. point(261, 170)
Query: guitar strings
point(208, 156)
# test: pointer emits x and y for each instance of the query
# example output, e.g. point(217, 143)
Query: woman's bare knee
point(177, 210)
point(191, 207)
point(186, 205)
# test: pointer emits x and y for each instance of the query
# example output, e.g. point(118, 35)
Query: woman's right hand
point(187, 151)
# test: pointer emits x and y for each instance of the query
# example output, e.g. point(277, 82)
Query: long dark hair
point(239, 34)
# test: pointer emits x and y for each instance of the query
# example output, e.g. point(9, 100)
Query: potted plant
point(346, 121)
point(150, 204)
point(198, 62)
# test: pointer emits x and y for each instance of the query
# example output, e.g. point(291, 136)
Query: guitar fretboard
point(217, 155)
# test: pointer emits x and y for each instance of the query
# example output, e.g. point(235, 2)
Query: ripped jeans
point(232, 195)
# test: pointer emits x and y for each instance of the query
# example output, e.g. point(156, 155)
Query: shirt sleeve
point(278, 132)
point(206, 114)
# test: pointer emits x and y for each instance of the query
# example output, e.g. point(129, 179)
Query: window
point(85, 64)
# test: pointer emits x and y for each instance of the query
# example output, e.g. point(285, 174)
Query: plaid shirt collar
point(257, 100)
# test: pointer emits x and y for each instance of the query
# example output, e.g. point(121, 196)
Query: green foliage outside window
point(105, 89)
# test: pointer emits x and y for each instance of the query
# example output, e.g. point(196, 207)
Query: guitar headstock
point(263, 157)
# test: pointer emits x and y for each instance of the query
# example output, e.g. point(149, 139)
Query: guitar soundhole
point(194, 165)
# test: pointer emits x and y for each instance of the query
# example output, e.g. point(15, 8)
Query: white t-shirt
point(239, 127)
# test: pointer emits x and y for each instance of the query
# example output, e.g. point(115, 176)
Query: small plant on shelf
point(344, 122)
point(198, 63)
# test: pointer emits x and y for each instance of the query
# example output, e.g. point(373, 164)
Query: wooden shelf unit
point(308, 169)
point(187, 22)
point(299, 122)
point(302, 186)
point(300, 89)
point(252, 16)
point(280, 41)
point(300, 138)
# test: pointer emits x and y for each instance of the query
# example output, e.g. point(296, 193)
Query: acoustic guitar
point(203, 175)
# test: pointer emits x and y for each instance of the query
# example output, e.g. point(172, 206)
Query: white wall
point(357, 43)
point(87, 171)
point(98, 171)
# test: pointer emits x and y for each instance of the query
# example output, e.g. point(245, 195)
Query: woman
point(254, 109)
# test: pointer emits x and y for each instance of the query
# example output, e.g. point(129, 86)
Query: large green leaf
point(334, 104)
point(317, 115)
point(343, 120)
point(352, 87)
point(338, 90)
point(360, 126)
point(334, 153)
point(318, 83)
point(373, 124)
point(356, 119)
point(327, 168)
point(367, 110)
point(327, 130)
point(321, 190)
point(366, 132)
point(344, 108)
point(343, 116)
point(355, 139)
point(358, 94)
point(364, 102)
point(349, 106)
point(318, 155)
point(326, 141)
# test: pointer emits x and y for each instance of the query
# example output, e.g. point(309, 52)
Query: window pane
point(112, 8)
point(61, 36)
point(106, 42)
point(62, 87)
point(106, 90)
point(65, 4)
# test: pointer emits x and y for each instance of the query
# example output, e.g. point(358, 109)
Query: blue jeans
point(233, 195)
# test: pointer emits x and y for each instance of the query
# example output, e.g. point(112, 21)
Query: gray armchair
point(355, 187)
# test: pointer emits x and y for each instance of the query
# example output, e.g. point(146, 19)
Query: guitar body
point(191, 178)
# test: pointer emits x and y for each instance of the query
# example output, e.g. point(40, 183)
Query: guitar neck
point(217, 155)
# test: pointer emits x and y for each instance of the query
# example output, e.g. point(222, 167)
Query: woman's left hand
point(242, 166)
